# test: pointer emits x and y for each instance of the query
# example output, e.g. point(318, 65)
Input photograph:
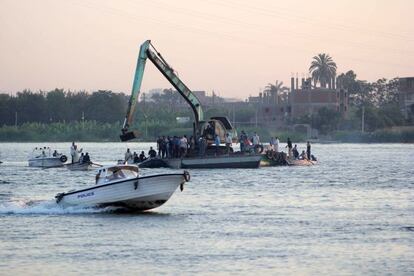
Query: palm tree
point(273, 90)
point(322, 69)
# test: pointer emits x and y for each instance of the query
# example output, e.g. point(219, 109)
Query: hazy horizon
point(234, 47)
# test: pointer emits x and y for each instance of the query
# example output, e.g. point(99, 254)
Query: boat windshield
point(117, 173)
point(40, 152)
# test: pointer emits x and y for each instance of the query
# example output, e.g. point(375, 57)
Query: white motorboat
point(42, 157)
point(120, 185)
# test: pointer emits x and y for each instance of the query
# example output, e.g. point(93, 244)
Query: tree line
point(60, 106)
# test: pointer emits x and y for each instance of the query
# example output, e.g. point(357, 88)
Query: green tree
point(56, 105)
point(273, 89)
point(322, 69)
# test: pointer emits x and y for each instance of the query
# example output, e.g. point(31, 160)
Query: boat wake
point(48, 207)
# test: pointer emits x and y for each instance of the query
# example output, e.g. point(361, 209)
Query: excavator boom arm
point(136, 86)
point(148, 51)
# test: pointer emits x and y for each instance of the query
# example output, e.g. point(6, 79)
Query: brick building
point(307, 99)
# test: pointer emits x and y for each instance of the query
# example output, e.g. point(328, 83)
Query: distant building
point(300, 101)
point(308, 99)
point(406, 96)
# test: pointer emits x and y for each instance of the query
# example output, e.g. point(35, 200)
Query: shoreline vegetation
point(93, 131)
point(63, 116)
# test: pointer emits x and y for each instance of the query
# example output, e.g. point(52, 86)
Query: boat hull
point(141, 193)
point(152, 163)
point(47, 162)
point(216, 162)
point(79, 167)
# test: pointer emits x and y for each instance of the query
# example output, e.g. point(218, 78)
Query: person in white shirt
point(277, 144)
point(128, 156)
point(77, 154)
point(183, 145)
point(256, 139)
point(73, 151)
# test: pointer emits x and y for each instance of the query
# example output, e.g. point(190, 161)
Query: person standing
point(170, 147)
point(289, 146)
point(242, 139)
point(183, 146)
point(217, 143)
point(163, 145)
point(272, 143)
point(295, 152)
point(277, 144)
point(228, 143)
point(308, 150)
point(159, 145)
point(73, 151)
point(201, 146)
point(128, 156)
point(256, 139)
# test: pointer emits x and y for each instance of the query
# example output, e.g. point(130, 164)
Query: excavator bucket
point(129, 135)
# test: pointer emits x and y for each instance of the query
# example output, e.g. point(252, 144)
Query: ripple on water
point(348, 214)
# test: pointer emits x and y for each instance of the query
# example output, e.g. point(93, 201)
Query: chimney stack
point(292, 84)
point(297, 82)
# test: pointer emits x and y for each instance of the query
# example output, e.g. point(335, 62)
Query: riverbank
point(391, 135)
point(92, 131)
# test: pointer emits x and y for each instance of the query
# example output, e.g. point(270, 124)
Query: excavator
point(201, 127)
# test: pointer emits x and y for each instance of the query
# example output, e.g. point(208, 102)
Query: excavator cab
point(217, 125)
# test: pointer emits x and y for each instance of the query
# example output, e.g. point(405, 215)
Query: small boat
point(301, 162)
point(155, 162)
point(242, 161)
point(120, 185)
point(80, 166)
point(272, 159)
point(43, 158)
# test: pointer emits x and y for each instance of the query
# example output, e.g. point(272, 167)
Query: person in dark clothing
point(81, 158)
point(289, 146)
point(152, 153)
point(135, 157)
point(308, 150)
point(164, 149)
point(142, 156)
point(159, 145)
point(295, 152)
point(201, 146)
point(242, 139)
point(86, 158)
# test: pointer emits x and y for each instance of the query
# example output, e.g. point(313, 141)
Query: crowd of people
point(179, 147)
point(293, 152)
point(174, 146)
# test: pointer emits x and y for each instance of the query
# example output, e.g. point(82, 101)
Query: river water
point(353, 213)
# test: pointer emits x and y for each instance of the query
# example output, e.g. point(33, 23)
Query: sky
point(234, 48)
